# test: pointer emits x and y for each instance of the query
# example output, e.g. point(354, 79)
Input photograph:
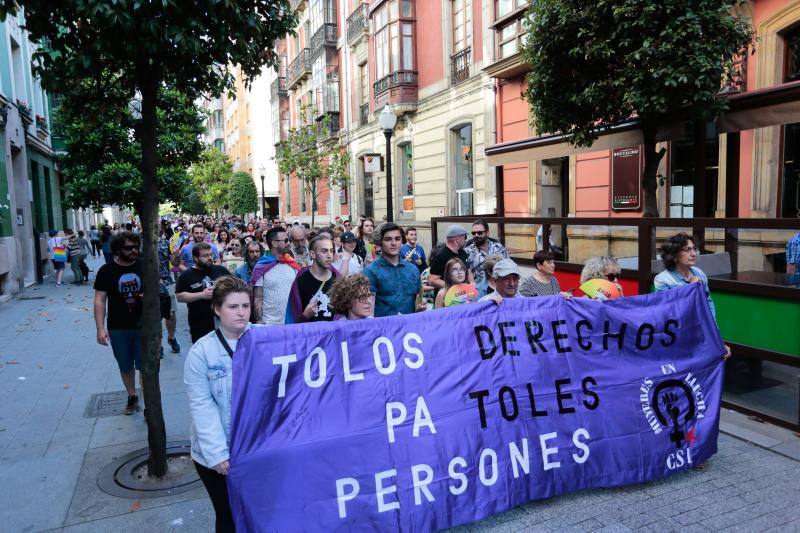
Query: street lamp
point(262, 170)
point(388, 121)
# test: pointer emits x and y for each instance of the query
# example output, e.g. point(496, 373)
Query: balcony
point(299, 68)
point(357, 24)
point(363, 114)
point(397, 88)
point(459, 66)
point(278, 88)
point(328, 129)
point(325, 37)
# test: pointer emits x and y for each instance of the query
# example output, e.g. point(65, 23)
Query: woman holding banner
point(207, 375)
point(679, 255)
point(456, 288)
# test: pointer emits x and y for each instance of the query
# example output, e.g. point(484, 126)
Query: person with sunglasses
point(602, 267)
point(477, 251)
point(118, 290)
point(272, 278)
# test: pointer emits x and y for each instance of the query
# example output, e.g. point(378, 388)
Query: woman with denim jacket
point(207, 375)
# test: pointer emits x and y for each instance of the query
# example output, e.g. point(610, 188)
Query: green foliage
point(101, 156)
point(306, 155)
point(211, 177)
point(601, 63)
point(191, 203)
point(242, 194)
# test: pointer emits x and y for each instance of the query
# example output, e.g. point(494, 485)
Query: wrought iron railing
point(363, 114)
point(299, 68)
point(357, 24)
point(278, 87)
point(459, 66)
point(324, 37)
point(401, 77)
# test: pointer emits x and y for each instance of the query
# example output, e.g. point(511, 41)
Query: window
point(406, 177)
point(394, 37)
point(790, 186)
point(302, 196)
point(791, 69)
point(363, 80)
point(504, 7)
point(681, 166)
point(462, 168)
point(287, 181)
point(462, 24)
point(509, 38)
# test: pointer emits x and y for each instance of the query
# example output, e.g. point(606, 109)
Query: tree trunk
point(652, 158)
point(151, 316)
point(313, 201)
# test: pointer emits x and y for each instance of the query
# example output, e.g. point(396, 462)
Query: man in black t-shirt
point(308, 298)
point(456, 239)
point(118, 286)
point(194, 288)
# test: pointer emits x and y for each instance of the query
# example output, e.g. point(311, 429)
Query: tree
point(242, 194)
point(142, 47)
point(191, 203)
point(595, 64)
point(306, 154)
point(211, 176)
point(101, 157)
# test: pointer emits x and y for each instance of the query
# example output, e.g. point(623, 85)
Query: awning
point(748, 110)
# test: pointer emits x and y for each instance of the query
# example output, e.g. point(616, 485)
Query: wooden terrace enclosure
point(757, 302)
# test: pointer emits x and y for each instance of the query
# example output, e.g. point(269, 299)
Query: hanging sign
point(626, 179)
point(373, 163)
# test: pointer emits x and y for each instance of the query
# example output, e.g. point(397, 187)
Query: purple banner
point(426, 421)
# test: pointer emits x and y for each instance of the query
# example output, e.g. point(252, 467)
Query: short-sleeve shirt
point(414, 254)
point(395, 287)
point(533, 287)
point(123, 285)
point(793, 251)
point(277, 284)
point(477, 257)
point(309, 286)
point(186, 254)
point(201, 316)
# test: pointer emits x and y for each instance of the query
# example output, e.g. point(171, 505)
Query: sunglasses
point(477, 233)
point(612, 277)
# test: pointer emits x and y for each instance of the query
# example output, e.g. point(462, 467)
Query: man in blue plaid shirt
point(793, 255)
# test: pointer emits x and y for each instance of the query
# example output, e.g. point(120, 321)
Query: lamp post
point(262, 170)
point(388, 121)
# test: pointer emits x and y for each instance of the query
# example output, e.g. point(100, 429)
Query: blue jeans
point(127, 347)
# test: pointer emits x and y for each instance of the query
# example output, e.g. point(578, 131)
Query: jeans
point(127, 347)
point(75, 263)
point(217, 490)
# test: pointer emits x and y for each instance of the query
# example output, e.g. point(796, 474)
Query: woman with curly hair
point(351, 298)
point(679, 255)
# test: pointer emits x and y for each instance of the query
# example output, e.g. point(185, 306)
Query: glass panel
point(463, 157)
point(393, 10)
point(408, 48)
point(406, 9)
point(406, 171)
point(790, 190)
point(508, 31)
point(763, 386)
point(510, 48)
point(504, 7)
point(464, 202)
point(395, 42)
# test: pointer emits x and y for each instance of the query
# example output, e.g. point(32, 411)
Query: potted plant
point(24, 111)
point(41, 123)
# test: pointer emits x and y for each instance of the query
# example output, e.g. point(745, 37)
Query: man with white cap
point(505, 276)
point(454, 247)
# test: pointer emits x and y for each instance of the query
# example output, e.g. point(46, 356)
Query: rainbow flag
point(59, 254)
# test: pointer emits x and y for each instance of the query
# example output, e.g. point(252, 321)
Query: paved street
point(51, 453)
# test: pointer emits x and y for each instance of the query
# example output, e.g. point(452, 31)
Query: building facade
point(30, 189)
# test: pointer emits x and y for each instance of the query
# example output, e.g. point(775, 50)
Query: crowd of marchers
point(234, 276)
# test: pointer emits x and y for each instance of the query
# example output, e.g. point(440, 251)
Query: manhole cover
point(108, 403)
point(127, 477)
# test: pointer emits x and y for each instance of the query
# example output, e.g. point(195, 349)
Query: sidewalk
point(51, 453)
